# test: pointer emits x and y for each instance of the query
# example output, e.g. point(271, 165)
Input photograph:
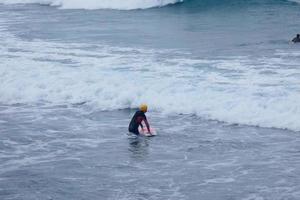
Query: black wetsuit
point(136, 121)
point(296, 39)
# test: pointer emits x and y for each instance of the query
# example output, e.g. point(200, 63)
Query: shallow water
point(73, 152)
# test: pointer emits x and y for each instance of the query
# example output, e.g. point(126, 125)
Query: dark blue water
point(204, 27)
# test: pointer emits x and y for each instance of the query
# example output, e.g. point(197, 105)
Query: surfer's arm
point(147, 124)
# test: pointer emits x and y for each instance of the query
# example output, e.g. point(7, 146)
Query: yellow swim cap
point(143, 108)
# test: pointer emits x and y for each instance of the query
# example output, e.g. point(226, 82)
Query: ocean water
point(221, 79)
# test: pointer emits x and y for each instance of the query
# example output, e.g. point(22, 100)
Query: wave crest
point(96, 4)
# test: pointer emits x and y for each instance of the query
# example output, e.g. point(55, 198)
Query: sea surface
point(221, 79)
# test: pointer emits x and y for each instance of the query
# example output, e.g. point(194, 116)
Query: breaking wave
point(253, 91)
point(96, 4)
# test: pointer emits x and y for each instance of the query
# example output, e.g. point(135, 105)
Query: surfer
point(296, 39)
point(137, 120)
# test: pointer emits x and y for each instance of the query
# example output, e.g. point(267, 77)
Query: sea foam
point(240, 90)
point(96, 4)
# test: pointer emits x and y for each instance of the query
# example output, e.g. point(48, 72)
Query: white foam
point(253, 197)
point(98, 4)
point(220, 180)
point(254, 91)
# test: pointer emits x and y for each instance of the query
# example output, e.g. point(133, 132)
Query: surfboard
point(144, 132)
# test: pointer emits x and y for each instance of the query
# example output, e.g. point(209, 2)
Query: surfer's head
point(143, 108)
point(298, 35)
